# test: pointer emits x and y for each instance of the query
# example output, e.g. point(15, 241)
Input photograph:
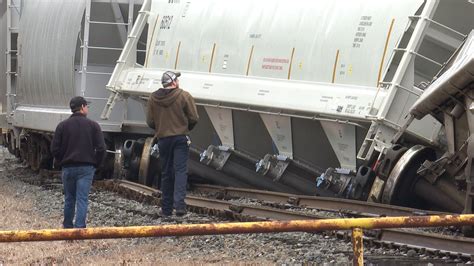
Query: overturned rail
point(359, 208)
point(355, 224)
point(422, 241)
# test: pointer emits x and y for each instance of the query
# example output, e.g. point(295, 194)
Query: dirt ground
point(17, 212)
point(88, 252)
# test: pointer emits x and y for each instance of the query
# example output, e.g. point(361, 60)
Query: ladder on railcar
point(124, 28)
point(13, 11)
point(381, 127)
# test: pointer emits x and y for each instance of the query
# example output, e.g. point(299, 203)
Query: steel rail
point(460, 246)
point(149, 191)
point(252, 211)
point(360, 208)
point(199, 204)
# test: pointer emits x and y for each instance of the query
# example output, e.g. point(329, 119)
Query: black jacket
point(78, 141)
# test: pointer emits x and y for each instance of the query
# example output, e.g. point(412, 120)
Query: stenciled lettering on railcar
point(225, 60)
point(326, 99)
point(342, 69)
point(271, 63)
point(166, 22)
point(159, 46)
point(262, 92)
point(351, 97)
point(361, 32)
point(207, 86)
point(280, 137)
point(342, 146)
point(350, 109)
point(174, 1)
point(255, 35)
point(143, 81)
point(185, 10)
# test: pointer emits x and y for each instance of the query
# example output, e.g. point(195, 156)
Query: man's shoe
point(181, 213)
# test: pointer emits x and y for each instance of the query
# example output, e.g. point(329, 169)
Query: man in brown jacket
point(172, 112)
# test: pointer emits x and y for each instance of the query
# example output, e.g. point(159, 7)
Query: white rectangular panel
point(223, 124)
point(279, 128)
point(342, 139)
point(45, 119)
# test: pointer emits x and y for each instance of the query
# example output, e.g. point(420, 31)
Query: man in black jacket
point(78, 146)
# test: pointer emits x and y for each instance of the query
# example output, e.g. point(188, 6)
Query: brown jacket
point(171, 112)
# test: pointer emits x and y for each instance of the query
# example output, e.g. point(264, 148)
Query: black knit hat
point(77, 102)
point(168, 77)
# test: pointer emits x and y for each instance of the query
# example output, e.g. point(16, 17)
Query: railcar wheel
point(389, 160)
point(147, 164)
point(398, 188)
point(44, 155)
point(23, 150)
point(34, 152)
point(119, 170)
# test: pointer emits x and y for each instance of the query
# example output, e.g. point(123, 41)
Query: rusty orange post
point(236, 228)
point(358, 247)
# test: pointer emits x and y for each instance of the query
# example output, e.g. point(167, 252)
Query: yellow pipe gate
point(354, 224)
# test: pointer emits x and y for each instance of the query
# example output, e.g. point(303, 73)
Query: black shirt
point(78, 141)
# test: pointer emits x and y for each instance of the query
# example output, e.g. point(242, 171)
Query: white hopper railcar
point(295, 87)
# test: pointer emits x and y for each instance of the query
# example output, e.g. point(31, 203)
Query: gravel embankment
point(28, 206)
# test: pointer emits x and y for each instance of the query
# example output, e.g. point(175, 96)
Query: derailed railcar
point(300, 94)
point(445, 175)
point(285, 89)
point(56, 50)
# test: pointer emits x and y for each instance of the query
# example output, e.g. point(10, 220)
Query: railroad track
point(423, 242)
point(431, 244)
point(352, 207)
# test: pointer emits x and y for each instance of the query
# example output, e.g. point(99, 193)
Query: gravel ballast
point(29, 205)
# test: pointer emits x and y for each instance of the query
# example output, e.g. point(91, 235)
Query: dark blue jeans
point(174, 152)
point(77, 182)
